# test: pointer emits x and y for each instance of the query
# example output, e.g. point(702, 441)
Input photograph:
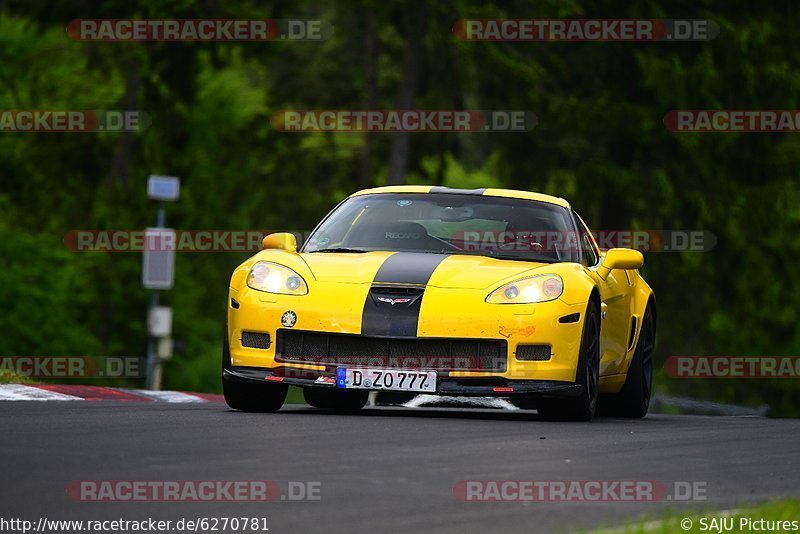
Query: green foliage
point(744, 520)
point(47, 296)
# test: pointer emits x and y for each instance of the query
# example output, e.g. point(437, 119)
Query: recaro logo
point(402, 235)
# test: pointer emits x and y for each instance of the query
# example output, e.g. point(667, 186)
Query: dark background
point(600, 143)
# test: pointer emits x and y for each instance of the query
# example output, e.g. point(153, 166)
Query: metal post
point(153, 376)
point(151, 348)
point(158, 274)
point(160, 217)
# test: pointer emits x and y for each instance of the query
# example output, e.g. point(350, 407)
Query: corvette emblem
point(393, 301)
point(288, 319)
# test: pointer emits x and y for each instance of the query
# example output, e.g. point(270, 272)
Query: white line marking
point(21, 392)
point(170, 396)
point(471, 402)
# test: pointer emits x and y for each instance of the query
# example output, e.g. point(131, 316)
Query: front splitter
point(467, 387)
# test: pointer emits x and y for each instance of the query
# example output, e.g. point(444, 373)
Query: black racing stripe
point(412, 268)
point(402, 276)
point(441, 189)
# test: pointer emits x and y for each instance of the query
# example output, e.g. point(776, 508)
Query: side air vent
point(255, 340)
point(533, 353)
point(571, 318)
point(633, 332)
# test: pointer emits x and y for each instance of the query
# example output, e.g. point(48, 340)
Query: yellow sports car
point(432, 290)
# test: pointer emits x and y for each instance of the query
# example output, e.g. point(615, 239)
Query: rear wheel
point(633, 400)
point(580, 408)
point(337, 400)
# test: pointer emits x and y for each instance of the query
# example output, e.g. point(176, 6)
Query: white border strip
point(462, 402)
point(21, 392)
point(170, 396)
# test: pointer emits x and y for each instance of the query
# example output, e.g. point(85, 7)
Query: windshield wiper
point(341, 249)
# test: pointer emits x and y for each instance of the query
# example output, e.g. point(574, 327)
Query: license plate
point(421, 381)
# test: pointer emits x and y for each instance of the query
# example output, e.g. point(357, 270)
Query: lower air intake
point(255, 340)
point(533, 353)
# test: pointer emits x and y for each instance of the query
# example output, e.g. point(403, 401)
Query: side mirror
point(283, 241)
point(620, 258)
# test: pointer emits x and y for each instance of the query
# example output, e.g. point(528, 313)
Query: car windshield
point(447, 223)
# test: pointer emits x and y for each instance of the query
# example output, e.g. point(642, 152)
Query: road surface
point(383, 470)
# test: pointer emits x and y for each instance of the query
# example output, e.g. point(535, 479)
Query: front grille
point(398, 290)
point(413, 353)
point(533, 353)
point(255, 340)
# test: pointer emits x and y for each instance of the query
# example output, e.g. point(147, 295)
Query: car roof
point(489, 192)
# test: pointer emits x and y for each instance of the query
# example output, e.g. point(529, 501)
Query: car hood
point(446, 271)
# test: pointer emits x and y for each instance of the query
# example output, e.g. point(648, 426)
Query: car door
point(615, 295)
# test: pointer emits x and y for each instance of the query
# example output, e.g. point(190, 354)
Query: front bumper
point(446, 313)
point(462, 387)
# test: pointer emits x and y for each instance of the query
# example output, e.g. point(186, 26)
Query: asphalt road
point(384, 470)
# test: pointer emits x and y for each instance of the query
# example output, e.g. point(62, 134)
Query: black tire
point(254, 396)
point(633, 400)
point(335, 399)
point(582, 407)
point(524, 401)
point(393, 398)
point(250, 396)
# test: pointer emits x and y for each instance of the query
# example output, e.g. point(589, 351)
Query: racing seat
point(542, 237)
point(394, 235)
point(407, 235)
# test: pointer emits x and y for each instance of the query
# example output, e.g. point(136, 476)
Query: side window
point(589, 254)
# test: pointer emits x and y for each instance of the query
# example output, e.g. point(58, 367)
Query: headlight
point(539, 288)
point(274, 278)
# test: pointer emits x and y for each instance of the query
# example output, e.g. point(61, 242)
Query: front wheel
point(254, 396)
point(334, 399)
point(250, 396)
point(633, 400)
point(580, 408)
